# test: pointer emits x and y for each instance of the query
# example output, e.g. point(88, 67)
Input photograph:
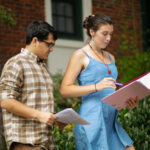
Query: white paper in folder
point(138, 87)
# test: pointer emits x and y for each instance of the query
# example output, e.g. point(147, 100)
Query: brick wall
point(11, 40)
point(126, 15)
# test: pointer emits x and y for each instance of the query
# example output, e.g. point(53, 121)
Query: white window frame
point(86, 11)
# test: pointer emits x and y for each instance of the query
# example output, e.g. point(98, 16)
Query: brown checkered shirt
point(26, 79)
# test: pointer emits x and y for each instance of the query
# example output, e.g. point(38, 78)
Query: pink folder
point(137, 87)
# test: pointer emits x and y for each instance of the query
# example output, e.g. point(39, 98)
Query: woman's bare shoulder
point(78, 54)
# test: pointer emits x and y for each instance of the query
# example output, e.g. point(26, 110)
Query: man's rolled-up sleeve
point(11, 81)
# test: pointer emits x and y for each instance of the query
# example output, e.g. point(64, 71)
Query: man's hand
point(19, 109)
point(47, 118)
point(60, 125)
point(132, 103)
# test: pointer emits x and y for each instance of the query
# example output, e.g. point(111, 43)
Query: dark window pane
point(54, 8)
point(69, 26)
point(69, 10)
point(67, 18)
point(54, 21)
point(60, 8)
point(60, 24)
point(62, 13)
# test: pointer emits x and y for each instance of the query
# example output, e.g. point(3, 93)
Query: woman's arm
point(76, 64)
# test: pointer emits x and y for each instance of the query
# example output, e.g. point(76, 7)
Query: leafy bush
point(2, 143)
point(137, 121)
point(137, 124)
point(64, 139)
point(130, 67)
point(62, 103)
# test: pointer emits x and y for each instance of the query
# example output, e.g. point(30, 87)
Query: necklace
point(109, 72)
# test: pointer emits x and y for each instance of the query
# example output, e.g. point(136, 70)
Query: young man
point(26, 92)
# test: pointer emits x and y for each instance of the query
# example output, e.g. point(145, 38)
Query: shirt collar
point(31, 55)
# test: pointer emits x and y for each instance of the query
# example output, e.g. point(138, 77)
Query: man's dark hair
point(41, 30)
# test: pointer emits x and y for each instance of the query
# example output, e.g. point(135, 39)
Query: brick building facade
point(12, 39)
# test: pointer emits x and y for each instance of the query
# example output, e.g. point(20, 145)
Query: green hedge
point(130, 67)
point(64, 138)
point(137, 121)
point(137, 124)
point(2, 143)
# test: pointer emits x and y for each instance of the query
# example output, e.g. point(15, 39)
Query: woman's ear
point(92, 33)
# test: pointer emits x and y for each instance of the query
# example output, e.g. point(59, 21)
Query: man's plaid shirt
point(26, 79)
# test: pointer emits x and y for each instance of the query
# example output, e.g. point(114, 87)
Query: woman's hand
point(132, 102)
point(105, 83)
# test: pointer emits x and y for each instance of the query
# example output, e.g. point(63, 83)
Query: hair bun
point(85, 23)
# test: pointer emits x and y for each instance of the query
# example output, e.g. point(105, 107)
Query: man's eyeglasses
point(49, 45)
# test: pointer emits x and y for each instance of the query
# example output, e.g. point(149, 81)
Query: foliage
point(137, 123)
point(62, 103)
point(131, 64)
point(130, 67)
point(2, 143)
point(6, 16)
point(64, 138)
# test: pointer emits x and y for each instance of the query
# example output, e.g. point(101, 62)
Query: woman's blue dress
point(104, 132)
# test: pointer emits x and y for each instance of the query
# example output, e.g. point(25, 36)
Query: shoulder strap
point(110, 57)
point(85, 53)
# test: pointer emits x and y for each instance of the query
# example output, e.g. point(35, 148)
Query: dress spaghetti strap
point(110, 57)
point(85, 53)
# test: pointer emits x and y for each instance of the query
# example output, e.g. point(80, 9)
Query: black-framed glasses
point(49, 44)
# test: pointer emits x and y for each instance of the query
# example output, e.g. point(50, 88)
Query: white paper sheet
point(69, 116)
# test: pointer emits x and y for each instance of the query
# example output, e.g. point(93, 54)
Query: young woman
point(96, 73)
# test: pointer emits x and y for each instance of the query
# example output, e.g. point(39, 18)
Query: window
point(67, 18)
